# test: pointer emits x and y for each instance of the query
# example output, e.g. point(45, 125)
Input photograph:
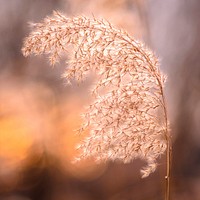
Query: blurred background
point(38, 112)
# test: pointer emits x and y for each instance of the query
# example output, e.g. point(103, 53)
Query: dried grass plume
point(127, 119)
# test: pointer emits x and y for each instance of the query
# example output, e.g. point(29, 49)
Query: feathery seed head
point(124, 120)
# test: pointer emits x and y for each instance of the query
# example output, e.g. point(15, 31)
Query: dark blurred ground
point(38, 113)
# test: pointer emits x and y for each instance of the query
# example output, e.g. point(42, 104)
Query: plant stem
point(168, 167)
point(168, 151)
point(167, 136)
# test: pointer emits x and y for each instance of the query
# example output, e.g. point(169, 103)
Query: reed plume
point(127, 119)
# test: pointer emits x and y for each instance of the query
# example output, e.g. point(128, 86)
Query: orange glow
point(14, 139)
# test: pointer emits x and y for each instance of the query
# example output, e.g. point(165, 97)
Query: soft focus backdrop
point(39, 113)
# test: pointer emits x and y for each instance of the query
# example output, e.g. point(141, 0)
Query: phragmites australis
point(127, 119)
